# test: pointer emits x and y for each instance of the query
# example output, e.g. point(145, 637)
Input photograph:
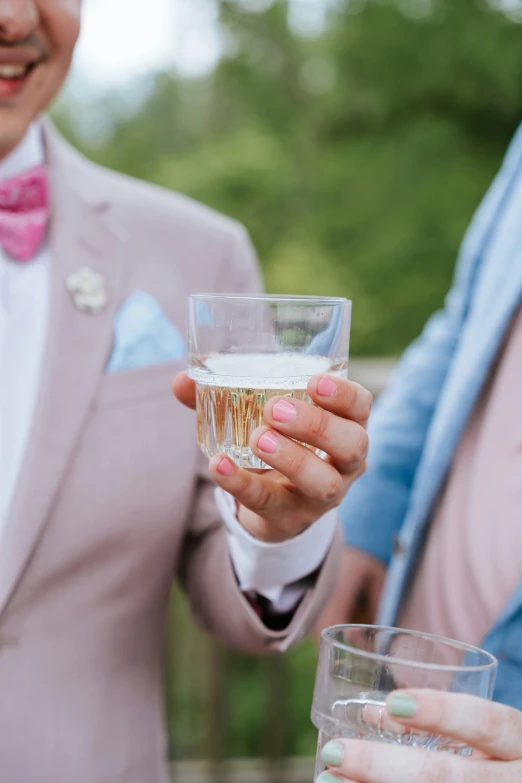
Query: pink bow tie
point(24, 213)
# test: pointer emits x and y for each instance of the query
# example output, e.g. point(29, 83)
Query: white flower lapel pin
point(88, 290)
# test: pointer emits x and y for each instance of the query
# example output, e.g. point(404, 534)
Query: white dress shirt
point(276, 571)
point(24, 311)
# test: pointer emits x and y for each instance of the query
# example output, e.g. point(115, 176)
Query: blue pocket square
point(143, 335)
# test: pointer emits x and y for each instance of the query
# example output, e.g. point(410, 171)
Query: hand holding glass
point(360, 665)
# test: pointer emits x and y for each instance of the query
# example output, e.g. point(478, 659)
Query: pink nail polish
point(225, 467)
point(268, 443)
point(284, 411)
point(326, 387)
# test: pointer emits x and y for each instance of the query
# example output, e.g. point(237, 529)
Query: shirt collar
point(29, 153)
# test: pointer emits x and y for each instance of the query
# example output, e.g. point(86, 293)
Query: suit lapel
point(78, 347)
point(497, 300)
point(499, 296)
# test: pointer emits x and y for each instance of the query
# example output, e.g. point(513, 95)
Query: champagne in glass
point(245, 350)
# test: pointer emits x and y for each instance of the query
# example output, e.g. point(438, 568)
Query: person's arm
point(275, 576)
point(219, 592)
point(374, 509)
point(493, 731)
point(218, 602)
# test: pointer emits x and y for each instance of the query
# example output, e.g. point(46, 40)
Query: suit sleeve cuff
point(274, 570)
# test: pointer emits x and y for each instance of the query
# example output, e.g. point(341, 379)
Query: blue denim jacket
point(418, 422)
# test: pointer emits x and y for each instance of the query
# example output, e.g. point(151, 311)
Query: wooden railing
point(202, 676)
point(245, 771)
point(372, 373)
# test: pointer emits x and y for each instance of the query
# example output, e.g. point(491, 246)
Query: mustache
point(31, 44)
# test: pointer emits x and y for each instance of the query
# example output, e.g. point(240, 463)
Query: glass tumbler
point(243, 350)
point(359, 665)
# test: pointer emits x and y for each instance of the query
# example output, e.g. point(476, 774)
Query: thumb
point(184, 389)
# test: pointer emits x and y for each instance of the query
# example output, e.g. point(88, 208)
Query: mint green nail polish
point(327, 777)
point(402, 705)
point(332, 754)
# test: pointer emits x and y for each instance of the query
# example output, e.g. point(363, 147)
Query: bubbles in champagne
point(232, 390)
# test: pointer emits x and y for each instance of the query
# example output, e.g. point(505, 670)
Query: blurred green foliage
point(356, 158)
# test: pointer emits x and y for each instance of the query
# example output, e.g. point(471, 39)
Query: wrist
point(262, 530)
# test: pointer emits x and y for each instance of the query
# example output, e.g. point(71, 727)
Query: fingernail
point(326, 387)
point(332, 754)
point(327, 777)
point(268, 443)
point(225, 467)
point(402, 705)
point(284, 411)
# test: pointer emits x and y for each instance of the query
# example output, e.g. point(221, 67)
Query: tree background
point(356, 157)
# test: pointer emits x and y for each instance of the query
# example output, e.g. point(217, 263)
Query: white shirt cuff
point(274, 570)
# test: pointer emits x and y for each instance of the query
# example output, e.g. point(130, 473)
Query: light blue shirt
point(418, 422)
